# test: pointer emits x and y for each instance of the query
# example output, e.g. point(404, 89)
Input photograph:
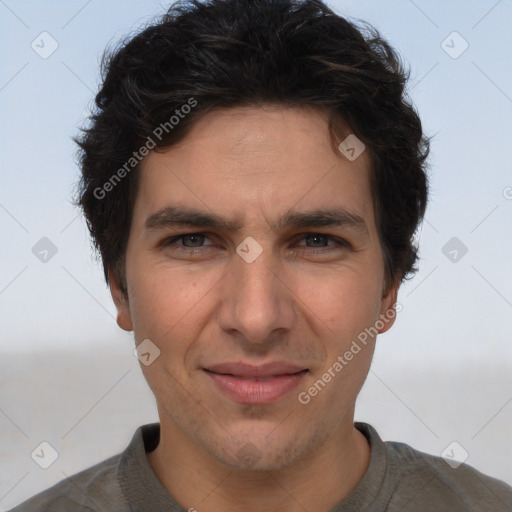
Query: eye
point(193, 244)
point(189, 240)
point(320, 240)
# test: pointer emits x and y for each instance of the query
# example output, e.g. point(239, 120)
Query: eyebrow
point(171, 216)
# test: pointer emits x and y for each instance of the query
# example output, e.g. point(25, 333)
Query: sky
point(459, 305)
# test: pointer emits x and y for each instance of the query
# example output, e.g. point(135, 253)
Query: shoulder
point(429, 481)
point(92, 489)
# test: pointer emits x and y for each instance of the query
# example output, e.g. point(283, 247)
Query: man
point(253, 177)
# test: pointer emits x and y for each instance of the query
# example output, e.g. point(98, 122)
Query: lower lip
point(254, 392)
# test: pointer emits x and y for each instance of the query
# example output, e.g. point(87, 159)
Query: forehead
point(250, 162)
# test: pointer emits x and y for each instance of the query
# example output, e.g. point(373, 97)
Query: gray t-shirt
point(399, 478)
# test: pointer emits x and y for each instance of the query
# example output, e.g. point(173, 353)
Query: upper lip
point(248, 370)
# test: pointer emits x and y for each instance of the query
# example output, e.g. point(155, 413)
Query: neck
point(318, 482)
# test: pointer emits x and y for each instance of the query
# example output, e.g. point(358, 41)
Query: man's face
point(221, 317)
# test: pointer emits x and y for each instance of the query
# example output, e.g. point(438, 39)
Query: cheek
point(347, 309)
point(347, 301)
point(166, 303)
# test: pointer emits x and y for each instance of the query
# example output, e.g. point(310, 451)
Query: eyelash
point(338, 241)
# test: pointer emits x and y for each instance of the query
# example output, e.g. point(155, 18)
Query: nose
point(256, 302)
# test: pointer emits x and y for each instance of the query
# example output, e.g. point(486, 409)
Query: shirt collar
point(145, 493)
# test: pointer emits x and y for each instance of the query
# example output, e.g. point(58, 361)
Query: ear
point(124, 319)
point(388, 305)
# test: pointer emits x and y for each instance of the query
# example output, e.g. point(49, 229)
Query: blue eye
point(324, 238)
point(188, 245)
point(194, 242)
point(194, 237)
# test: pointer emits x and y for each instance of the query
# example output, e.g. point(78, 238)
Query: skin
point(303, 300)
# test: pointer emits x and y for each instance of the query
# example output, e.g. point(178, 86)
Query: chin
point(252, 452)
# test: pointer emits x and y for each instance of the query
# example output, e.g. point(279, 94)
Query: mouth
point(255, 385)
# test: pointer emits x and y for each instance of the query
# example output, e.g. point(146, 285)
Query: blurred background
point(442, 376)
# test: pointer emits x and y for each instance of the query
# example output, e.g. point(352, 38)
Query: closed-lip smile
point(257, 385)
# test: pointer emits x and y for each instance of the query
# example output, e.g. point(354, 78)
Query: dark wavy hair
point(229, 53)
